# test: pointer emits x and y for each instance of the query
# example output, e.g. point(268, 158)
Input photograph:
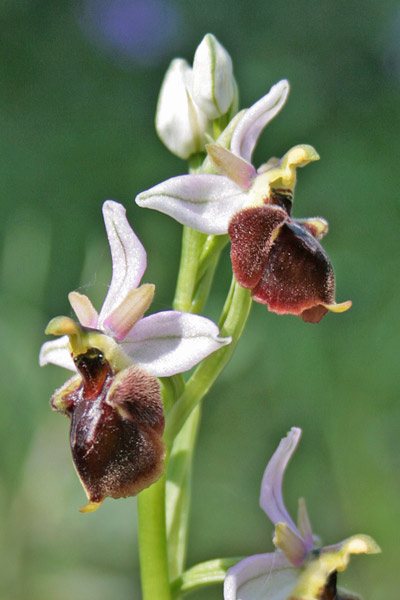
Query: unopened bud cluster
point(191, 98)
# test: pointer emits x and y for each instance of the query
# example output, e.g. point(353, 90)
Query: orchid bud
point(180, 123)
point(213, 82)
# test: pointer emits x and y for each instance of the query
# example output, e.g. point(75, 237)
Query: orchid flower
point(279, 258)
point(299, 569)
point(113, 400)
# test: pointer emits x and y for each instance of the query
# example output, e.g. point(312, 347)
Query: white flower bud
point(213, 82)
point(180, 124)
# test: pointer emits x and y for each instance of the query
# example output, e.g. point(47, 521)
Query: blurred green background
point(78, 91)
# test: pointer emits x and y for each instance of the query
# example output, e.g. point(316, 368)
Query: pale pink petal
point(304, 524)
point(172, 342)
point(84, 309)
point(236, 168)
point(129, 311)
point(128, 257)
point(292, 544)
point(271, 499)
point(57, 353)
point(260, 577)
point(203, 202)
point(250, 126)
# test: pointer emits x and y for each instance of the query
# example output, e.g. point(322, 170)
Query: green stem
point(209, 369)
point(212, 248)
point(202, 290)
point(199, 258)
point(192, 242)
point(179, 492)
point(153, 543)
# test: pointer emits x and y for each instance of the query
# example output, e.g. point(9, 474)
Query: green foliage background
point(76, 128)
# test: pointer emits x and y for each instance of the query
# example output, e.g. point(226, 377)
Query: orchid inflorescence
point(131, 411)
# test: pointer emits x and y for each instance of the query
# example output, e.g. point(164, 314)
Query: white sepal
point(56, 352)
point(205, 203)
point(172, 342)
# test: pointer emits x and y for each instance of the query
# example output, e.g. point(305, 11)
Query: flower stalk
point(192, 244)
point(208, 371)
point(153, 552)
point(199, 258)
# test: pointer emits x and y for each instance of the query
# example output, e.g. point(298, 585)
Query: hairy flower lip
point(117, 423)
point(281, 260)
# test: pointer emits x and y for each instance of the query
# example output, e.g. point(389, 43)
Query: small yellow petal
point(300, 155)
point(90, 507)
point(280, 174)
point(83, 309)
point(67, 326)
point(317, 226)
point(303, 522)
point(234, 167)
point(338, 308)
point(130, 310)
point(290, 543)
point(360, 544)
point(62, 326)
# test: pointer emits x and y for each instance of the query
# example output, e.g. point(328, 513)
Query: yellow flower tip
point(361, 544)
point(338, 308)
point(62, 326)
point(90, 507)
point(301, 155)
point(67, 326)
point(319, 227)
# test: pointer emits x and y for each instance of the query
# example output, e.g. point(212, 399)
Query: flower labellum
point(117, 419)
point(281, 260)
